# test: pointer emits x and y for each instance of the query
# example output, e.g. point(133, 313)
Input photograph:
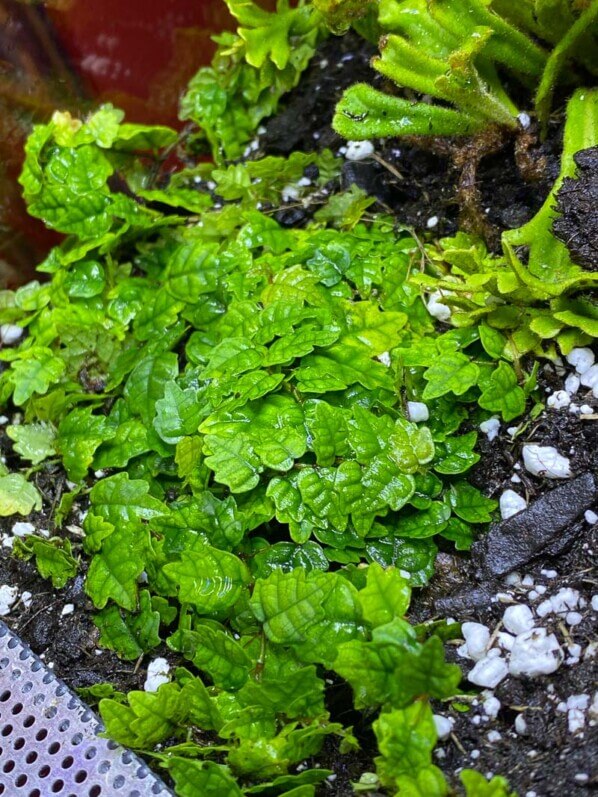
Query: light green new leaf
point(385, 596)
point(149, 718)
point(476, 785)
point(33, 441)
point(371, 327)
point(34, 373)
point(406, 738)
point(410, 446)
point(18, 496)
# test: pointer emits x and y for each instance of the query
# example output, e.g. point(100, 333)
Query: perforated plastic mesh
point(48, 737)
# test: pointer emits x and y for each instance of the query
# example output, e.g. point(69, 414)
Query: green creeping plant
point(533, 298)
point(250, 72)
point(262, 502)
point(456, 51)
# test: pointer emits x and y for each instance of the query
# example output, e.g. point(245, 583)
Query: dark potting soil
point(413, 180)
point(547, 758)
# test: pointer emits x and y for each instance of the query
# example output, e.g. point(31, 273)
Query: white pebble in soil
point(489, 672)
point(491, 707)
point(359, 150)
point(417, 411)
point(520, 725)
point(518, 619)
point(582, 359)
point(545, 461)
point(67, 609)
point(444, 726)
point(535, 653)
point(511, 503)
point(477, 637)
point(437, 308)
point(490, 428)
point(21, 528)
point(10, 334)
point(8, 597)
point(558, 400)
point(589, 378)
point(157, 674)
point(572, 384)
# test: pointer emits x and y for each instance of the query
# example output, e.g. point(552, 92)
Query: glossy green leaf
point(216, 653)
point(209, 579)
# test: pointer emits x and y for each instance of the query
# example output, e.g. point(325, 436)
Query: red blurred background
point(72, 54)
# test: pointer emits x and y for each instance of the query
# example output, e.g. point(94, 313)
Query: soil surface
point(545, 754)
point(412, 180)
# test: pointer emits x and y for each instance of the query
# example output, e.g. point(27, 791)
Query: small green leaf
point(18, 496)
point(216, 653)
point(476, 785)
point(469, 504)
point(79, 435)
point(34, 373)
point(406, 738)
point(53, 558)
point(386, 595)
point(114, 571)
point(192, 778)
point(503, 394)
point(33, 441)
point(209, 579)
point(451, 373)
point(149, 718)
point(132, 635)
point(456, 454)
point(233, 461)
